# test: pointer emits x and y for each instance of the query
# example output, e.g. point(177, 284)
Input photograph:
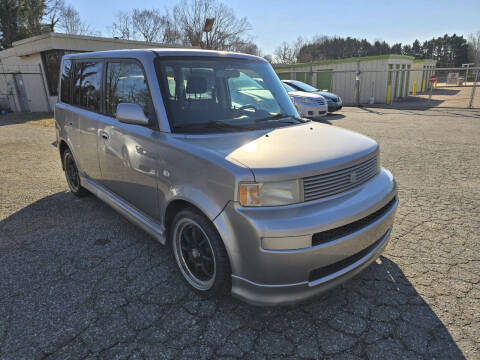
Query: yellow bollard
point(389, 93)
point(424, 85)
point(414, 90)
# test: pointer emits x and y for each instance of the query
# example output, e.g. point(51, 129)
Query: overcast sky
point(275, 21)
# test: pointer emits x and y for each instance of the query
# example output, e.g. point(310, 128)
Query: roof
point(58, 41)
point(425, 60)
point(162, 52)
point(347, 60)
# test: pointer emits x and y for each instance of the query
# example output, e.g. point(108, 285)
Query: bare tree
point(474, 48)
point(122, 26)
point(284, 54)
point(247, 47)
point(53, 12)
point(227, 31)
point(269, 58)
point(288, 53)
point(148, 23)
point(70, 22)
point(171, 32)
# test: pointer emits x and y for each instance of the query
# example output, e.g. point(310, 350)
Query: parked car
point(334, 101)
point(205, 151)
point(309, 106)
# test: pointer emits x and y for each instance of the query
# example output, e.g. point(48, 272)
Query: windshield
point(288, 87)
point(206, 94)
point(304, 87)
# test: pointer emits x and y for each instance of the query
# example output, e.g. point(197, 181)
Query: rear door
point(86, 101)
point(128, 153)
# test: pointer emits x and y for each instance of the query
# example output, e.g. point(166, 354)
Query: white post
point(473, 90)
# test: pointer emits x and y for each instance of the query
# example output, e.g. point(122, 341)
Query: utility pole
point(357, 82)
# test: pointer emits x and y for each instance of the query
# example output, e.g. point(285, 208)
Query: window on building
point(126, 83)
point(66, 82)
point(87, 84)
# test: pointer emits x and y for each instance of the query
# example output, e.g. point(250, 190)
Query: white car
point(311, 106)
point(334, 101)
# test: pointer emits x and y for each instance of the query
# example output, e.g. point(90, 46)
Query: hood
point(304, 94)
point(327, 95)
point(290, 152)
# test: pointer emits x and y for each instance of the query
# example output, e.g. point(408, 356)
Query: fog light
point(287, 243)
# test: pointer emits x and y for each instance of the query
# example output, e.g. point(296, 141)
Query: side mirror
point(131, 114)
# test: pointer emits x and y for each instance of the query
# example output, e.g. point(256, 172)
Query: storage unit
point(379, 76)
point(421, 71)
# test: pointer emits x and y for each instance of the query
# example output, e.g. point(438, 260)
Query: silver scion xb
point(205, 151)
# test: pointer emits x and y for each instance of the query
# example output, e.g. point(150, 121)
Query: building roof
point(347, 60)
point(58, 41)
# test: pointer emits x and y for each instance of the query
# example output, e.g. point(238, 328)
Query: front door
point(85, 114)
point(128, 153)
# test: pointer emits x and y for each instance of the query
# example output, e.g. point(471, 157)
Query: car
point(205, 151)
point(310, 106)
point(334, 101)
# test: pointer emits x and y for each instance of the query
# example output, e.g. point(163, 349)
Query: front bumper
point(334, 106)
point(312, 111)
point(274, 277)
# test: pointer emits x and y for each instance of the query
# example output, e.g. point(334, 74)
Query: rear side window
point(87, 85)
point(65, 82)
point(126, 83)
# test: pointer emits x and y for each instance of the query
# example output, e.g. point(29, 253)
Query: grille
point(333, 234)
point(333, 268)
point(323, 185)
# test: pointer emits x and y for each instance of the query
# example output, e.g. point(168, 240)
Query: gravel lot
point(79, 281)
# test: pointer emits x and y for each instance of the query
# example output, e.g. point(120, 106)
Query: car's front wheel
point(200, 254)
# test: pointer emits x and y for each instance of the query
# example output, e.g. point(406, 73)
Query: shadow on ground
point(79, 280)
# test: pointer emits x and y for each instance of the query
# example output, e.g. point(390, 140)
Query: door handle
point(104, 135)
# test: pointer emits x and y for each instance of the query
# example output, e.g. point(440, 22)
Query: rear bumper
point(277, 277)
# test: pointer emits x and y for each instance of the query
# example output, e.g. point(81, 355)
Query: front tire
point(200, 254)
point(72, 175)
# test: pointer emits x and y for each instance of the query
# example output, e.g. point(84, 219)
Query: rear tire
point(200, 254)
point(72, 175)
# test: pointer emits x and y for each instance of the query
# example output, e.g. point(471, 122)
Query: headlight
point(305, 100)
point(270, 193)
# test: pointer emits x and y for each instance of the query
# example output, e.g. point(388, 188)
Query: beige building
point(29, 69)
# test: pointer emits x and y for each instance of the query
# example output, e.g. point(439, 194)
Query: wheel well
point(173, 209)
point(62, 147)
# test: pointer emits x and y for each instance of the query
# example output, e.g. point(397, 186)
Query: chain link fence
point(399, 87)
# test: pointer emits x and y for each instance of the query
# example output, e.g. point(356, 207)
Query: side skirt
point(131, 213)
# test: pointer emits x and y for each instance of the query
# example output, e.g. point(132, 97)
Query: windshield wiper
point(220, 125)
point(278, 117)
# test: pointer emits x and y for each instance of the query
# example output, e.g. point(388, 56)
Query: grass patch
point(39, 119)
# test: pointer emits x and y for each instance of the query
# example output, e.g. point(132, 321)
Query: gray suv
point(205, 151)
